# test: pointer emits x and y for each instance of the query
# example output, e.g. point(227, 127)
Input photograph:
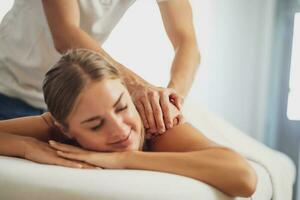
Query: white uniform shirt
point(26, 46)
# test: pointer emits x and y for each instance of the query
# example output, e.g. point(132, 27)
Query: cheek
point(90, 141)
point(134, 117)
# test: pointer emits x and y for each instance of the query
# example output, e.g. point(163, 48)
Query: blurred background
point(250, 69)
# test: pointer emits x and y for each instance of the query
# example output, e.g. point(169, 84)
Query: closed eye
point(95, 128)
point(122, 108)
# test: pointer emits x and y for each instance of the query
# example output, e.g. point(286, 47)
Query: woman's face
point(104, 118)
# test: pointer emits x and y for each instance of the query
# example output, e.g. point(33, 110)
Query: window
point(5, 6)
point(293, 109)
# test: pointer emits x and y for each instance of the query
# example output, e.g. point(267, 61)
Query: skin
point(106, 121)
point(182, 150)
point(120, 120)
point(152, 103)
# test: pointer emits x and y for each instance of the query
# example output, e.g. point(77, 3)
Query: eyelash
point(101, 123)
point(121, 109)
point(97, 127)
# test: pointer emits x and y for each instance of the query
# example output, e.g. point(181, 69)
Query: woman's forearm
point(34, 126)
point(12, 145)
point(219, 167)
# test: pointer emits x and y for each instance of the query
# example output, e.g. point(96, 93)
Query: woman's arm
point(16, 133)
point(39, 127)
point(185, 151)
point(23, 137)
point(182, 150)
point(12, 145)
point(219, 167)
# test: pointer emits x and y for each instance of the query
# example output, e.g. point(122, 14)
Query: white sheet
point(22, 179)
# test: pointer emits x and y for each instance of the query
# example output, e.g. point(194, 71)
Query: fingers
point(164, 102)
point(73, 156)
point(67, 163)
point(142, 113)
point(88, 160)
point(176, 100)
point(89, 166)
point(66, 150)
point(74, 164)
point(65, 147)
point(148, 136)
point(175, 121)
point(157, 112)
point(71, 152)
point(181, 119)
point(149, 115)
point(154, 106)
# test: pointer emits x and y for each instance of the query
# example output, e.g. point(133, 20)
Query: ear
point(63, 129)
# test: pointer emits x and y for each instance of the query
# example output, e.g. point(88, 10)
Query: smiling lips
point(124, 142)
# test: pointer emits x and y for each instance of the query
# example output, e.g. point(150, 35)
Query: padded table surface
point(26, 180)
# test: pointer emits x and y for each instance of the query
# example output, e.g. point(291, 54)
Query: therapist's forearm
point(184, 67)
point(74, 37)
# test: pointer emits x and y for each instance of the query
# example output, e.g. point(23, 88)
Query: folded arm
point(183, 150)
point(38, 127)
point(26, 138)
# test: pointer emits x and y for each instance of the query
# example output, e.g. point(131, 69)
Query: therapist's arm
point(63, 18)
point(178, 22)
point(152, 102)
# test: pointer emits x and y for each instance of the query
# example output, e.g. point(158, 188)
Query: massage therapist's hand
point(178, 119)
point(42, 152)
point(107, 160)
point(154, 105)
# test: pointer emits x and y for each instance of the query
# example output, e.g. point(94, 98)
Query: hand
point(110, 160)
point(178, 119)
point(154, 106)
point(41, 152)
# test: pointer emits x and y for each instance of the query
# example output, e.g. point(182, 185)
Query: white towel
point(280, 167)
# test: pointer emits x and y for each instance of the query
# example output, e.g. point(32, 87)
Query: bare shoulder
point(181, 138)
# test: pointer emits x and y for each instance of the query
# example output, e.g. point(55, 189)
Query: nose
point(118, 129)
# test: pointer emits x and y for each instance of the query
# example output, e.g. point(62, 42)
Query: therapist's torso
point(27, 50)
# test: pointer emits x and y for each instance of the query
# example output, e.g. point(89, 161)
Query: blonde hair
point(67, 78)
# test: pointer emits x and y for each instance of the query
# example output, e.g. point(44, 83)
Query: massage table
point(21, 179)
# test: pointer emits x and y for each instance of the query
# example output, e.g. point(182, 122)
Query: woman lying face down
point(105, 124)
point(102, 116)
point(90, 105)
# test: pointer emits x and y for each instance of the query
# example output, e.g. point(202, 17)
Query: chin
point(133, 143)
point(129, 148)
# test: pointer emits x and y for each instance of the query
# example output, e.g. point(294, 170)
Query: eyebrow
point(99, 117)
